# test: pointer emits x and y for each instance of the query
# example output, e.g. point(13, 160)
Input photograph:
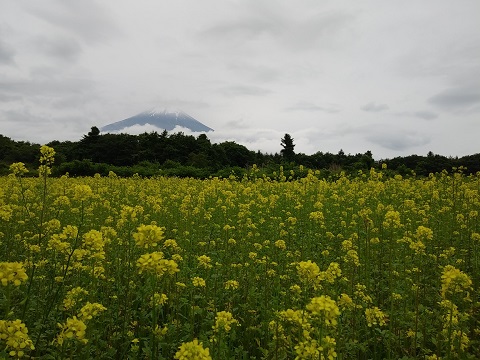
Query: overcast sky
point(396, 77)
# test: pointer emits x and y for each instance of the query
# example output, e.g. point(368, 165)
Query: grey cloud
point(256, 72)
point(275, 24)
point(398, 140)
point(8, 98)
point(42, 127)
point(323, 27)
point(21, 117)
point(372, 107)
point(239, 90)
point(246, 28)
point(45, 86)
point(6, 53)
point(236, 124)
point(86, 19)
point(306, 106)
point(426, 115)
point(458, 98)
point(184, 105)
point(67, 49)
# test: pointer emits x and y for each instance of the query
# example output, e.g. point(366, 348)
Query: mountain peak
point(163, 111)
point(162, 118)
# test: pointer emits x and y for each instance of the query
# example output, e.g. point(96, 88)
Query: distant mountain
point(163, 119)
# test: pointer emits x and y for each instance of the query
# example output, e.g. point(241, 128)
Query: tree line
point(178, 154)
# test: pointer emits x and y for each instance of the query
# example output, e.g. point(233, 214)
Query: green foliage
point(181, 155)
point(288, 147)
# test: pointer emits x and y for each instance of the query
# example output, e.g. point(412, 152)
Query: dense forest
point(178, 154)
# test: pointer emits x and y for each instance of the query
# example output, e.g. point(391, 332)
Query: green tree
point(288, 147)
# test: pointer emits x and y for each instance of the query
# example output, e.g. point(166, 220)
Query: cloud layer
point(394, 78)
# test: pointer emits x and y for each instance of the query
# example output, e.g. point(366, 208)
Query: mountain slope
point(163, 119)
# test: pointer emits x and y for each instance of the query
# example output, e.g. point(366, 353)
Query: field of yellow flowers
point(364, 267)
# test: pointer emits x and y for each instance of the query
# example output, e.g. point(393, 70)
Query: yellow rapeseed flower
point(198, 282)
point(18, 168)
point(15, 335)
point(325, 308)
point(47, 155)
point(204, 261)
point(375, 316)
point(454, 280)
point(82, 192)
point(12, 273)
point(281, 244)
point(231, 284)
point(308, 271)
point(148, 235)
point(155, 263)
point(73, 296)
point(89, 310)
point(72, 329)
point(224, 321)
point(159, 299)
point(308, 349)
point(192, 350)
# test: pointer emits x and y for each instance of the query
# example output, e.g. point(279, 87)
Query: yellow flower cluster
point(159, 299)
point(12, 273)
point(6, 212)
point(192, 350)
point(317, 216)
point(18, 168)
point(73, 329)
point(375, 316)
point(73, 296)
point(417, 246)
point(129, 214)
point(454, 280)
point(198, 282)
point(392, 219)
point(89, 310)
point(309, 349)
point(58, 242)
point(170, 243)
point(346, 302)
point(281, 244)
point(452, 329)
point(451, 316)
point(296, 289)
point(308, 271)
point(15, 335)
point(424, 233)
point(231, 284)
point(155, 263)
point(332, 273)
point(148, 235)
point(324, 307)
point(224, 321)
point(204, 261)
point(360, 294)
point(82, 192)
point(298, 317)
point(352, 257)
point(312, 349)
point(94, 243)
point(47, 155)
